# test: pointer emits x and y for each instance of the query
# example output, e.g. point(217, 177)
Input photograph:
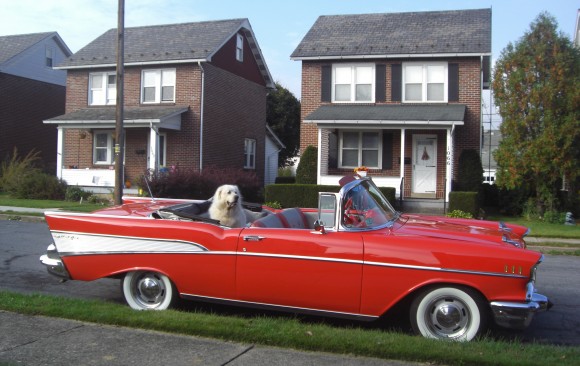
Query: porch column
point(153, 149)
point(59, 151)
point(449, 161)
point(402, 173)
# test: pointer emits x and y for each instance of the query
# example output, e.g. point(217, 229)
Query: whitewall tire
point(148, 290)
point(454, 313)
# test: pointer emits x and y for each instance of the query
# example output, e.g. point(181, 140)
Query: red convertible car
point(353, 257)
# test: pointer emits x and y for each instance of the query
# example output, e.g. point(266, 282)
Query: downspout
point(201, 100)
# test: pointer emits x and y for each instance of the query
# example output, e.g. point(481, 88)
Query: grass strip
point(294, 333)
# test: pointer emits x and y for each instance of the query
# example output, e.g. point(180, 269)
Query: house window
point(103, 147)
point(249, 153)
point(163, 149)
point(102, 88)
point(425, 82)
point(240, 48)
point(49, 56)
point(158, 86)
point(353, 83)
point(360, 148)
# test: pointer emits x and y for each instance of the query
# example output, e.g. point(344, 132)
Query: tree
point(469, 171)
point(306, 171)
point(536, 87)
point(283, 117)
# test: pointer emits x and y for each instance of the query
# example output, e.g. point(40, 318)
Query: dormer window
point(48, 60)
point(353, 83)
point(240, 48)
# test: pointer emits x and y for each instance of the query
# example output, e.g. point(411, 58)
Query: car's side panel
point(300, 268)
point(397, 265)
point(198, 257)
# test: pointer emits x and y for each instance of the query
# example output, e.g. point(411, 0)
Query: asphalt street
point(35, 340)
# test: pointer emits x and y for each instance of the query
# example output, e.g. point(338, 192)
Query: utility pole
point(119, 129)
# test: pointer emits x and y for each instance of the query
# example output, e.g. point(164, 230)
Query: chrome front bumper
point(54, 263)
point(518, 315)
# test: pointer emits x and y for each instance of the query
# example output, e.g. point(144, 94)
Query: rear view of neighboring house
point(31, 91)
point(194, 97)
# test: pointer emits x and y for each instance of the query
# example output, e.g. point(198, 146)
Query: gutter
point(201, 100)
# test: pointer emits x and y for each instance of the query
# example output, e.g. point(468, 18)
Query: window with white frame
point(158, 86)
point(425, 82)
point(240, 48)
point(102, 88)
point(249, 153)
point(360, 148)
point(103, 144)
point(353, 83)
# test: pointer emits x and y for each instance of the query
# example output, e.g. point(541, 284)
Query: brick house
point(31, 91)
point(194, 97)
point(399, 93)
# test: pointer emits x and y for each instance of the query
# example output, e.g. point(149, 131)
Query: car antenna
point(146, 179)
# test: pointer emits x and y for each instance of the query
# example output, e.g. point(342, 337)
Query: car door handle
point(253, 238)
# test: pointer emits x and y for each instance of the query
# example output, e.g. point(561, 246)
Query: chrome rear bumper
point(54, 263)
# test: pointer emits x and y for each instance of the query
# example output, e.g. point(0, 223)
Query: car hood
point(477, 231)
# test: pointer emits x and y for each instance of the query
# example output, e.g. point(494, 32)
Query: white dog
point(226, 206)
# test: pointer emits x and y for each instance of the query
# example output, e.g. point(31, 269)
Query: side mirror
point(319, 227)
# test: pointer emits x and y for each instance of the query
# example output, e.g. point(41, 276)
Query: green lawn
point(298, 333)
point(6, 200)
point(542, 229)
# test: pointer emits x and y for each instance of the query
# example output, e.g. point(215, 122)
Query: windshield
point(364, 206)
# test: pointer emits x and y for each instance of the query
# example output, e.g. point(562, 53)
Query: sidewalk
point(37, 340)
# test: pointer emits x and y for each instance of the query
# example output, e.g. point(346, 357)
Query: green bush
point(306, 195)
point(469, 171)
point(285, 180)
point(458, 214)
point(76, 193)
point(188, 183)
point(307, 168)
point(464, 201)
point(40, 186)
point(15, 169)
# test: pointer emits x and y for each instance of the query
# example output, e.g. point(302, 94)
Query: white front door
point(424, 163)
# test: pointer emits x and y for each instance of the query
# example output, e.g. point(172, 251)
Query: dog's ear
point(219, 192)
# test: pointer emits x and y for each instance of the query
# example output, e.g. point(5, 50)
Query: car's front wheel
point(454, 313)
point(147, 290)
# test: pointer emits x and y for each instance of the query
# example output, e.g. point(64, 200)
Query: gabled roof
point(13, 45)
point(416, 34)
point(171, 43)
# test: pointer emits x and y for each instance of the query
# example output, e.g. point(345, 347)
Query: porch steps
point(428, 206)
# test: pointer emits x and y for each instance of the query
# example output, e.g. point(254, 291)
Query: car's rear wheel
point(454, 313)
point(148, 290)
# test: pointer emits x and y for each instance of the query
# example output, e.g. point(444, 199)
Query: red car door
point(300, 268)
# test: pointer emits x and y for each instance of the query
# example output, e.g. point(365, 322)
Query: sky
point(279, 26)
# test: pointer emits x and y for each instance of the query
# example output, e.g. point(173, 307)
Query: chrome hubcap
point(149, 290)
point(448, 317)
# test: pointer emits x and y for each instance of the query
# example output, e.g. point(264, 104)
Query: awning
point(397, 115)
point(160, 117)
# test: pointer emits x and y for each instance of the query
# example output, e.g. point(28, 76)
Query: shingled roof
point(457, 32)
point(172, 43)
point(13, 45)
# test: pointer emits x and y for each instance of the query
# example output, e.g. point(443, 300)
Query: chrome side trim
point(291, 309)
point(78, 243)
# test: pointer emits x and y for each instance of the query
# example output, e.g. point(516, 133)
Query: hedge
point(464, 201)
point(306, 195)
